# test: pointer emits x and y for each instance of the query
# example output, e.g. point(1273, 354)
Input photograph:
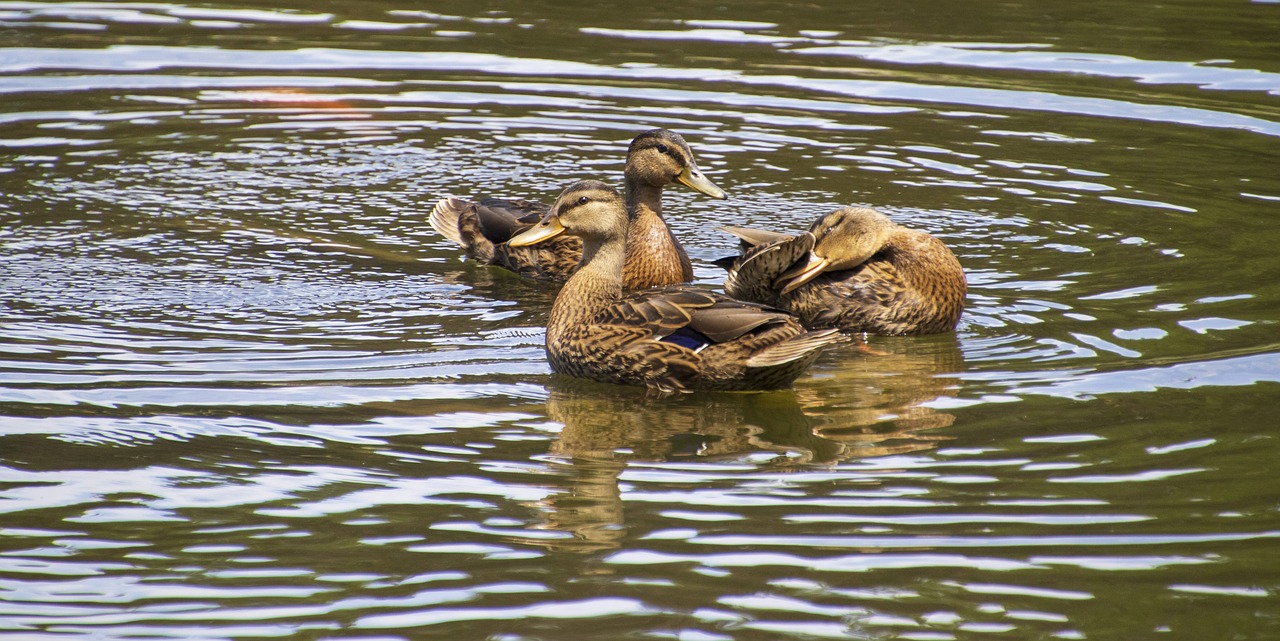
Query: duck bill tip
point(694, 179)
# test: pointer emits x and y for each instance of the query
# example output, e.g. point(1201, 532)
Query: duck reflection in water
point(849, 408)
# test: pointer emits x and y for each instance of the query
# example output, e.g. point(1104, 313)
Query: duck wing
point(754, 237)
point(499, 219)
point(753, 275)
point(446, 218)
point(687, 312)
point(684, 338)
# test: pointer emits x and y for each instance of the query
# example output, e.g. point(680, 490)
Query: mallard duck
point(855, 270)
point(669, 339)
point(654, 258)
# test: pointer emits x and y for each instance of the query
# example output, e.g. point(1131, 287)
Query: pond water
point(246, 392)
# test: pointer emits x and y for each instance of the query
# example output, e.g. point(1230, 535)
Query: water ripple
point(989, 56)
point(144, 58)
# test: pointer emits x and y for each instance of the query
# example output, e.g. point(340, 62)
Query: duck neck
point(653, 256)
point(596, 285)
point(644, 201)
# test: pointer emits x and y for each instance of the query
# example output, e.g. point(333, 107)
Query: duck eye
point(662, 149)
point(584, 200)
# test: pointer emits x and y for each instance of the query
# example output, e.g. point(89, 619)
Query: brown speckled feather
point(752, 275)
point(622, 354)
point(666, 310)
point(622, 343)
point(654, 257)
point(878, 298)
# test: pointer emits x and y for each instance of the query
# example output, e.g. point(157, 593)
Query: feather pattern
point(854, 270)
point(752, 275)
point(753, 237)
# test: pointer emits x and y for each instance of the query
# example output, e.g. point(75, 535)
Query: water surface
point(246, 392)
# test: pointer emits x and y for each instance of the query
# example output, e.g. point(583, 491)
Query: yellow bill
point(801, 273)
point(694, 179)
point(549, 228)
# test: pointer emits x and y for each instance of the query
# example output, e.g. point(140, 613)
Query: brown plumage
point(668, 339)
point(654, 257)
point(854, 270)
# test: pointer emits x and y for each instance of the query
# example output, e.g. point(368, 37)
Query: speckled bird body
point(854, 270)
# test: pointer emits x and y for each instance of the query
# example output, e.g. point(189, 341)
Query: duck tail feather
point(445, 216)
point(801, 346)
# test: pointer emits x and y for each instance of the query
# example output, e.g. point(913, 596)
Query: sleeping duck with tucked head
point(655, 159)
point(854, 269)
point(670, 339)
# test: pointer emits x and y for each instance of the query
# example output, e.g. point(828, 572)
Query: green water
point(246, 392)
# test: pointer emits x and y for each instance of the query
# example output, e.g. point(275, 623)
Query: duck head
point(661, 157)
point(842, 239)
point(589, 209)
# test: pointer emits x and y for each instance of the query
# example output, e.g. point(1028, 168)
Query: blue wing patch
point(688, 338)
